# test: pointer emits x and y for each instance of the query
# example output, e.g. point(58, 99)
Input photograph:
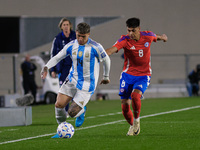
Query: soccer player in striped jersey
point(136, 74)
point(86, 55)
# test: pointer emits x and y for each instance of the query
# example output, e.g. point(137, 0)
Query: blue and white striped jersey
point(86, 59)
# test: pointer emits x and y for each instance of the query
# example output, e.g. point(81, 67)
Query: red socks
point(136, 104)
point(128, 115)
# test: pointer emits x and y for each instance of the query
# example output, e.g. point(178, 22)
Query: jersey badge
point(74, 53)
point(146, 44)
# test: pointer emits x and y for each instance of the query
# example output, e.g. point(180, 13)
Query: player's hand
point(164, 37)
point(53, 74)
point(44, 72)
point(103, 81)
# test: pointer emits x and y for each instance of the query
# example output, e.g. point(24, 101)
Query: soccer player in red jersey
point(136, 74)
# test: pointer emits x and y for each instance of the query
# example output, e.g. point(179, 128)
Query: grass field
point(166, 123)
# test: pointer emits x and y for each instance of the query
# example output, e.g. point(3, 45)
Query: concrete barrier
point(15, 116)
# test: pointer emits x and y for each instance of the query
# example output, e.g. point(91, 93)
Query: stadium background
point(171, 61)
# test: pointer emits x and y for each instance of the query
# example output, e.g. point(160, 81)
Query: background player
point(136, 74)
point(81, 82)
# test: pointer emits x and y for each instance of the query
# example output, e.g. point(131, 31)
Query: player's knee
point(135, 96)
point(58, 105)
point(125, 102)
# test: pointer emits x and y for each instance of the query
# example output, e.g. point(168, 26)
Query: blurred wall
point(179, 19)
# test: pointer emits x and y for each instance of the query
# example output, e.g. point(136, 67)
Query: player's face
point(134, 33)
point(82, 38)
point(66, 26)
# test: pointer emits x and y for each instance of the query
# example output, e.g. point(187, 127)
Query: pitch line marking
point(108, 123)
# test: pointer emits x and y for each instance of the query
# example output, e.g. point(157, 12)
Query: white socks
point(60, 115)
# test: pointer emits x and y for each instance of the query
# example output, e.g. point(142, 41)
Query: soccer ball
point(65, 130)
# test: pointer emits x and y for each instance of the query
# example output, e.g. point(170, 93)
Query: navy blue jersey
point(59, 42)
point(63, 67)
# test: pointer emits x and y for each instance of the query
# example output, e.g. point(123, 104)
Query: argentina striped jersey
point(86, 59)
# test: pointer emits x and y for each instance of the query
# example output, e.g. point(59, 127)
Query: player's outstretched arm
point(111, 50)
point(162, 37)
point(106, 70)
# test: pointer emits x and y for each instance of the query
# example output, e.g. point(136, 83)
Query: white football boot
point(130, 131)
point(136, 127)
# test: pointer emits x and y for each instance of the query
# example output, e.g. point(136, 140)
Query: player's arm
point(162, 37)
point(111, 50)
point(52, 62)
point(106, 70)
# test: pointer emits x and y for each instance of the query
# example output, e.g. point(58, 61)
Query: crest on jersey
point(74, 53)
point(80, 54)
point(146, 44)
point(122, 90)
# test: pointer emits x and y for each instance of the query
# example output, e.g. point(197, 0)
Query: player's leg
point(125, 92)
point(61, 102)
point(65, 94)
point(75, 110)
point(126, 110)
point(81, 99)
point(60, 113)
point(80, 118)
point(62, 77)
point(140, 86)
point(136, 104)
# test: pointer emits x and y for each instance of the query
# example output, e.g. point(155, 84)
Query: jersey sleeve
point(152, 36)
point(101, 52)
point(121, 42)
point(103, 57)
point(57, 58)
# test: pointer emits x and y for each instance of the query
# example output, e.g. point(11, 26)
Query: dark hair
point(133, 22)
point(83, 28)
point(63, 20)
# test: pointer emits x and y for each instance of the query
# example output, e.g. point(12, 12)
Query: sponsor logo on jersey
point(133, 47)
point(74, 53)
point(140, 86)
point(146, 44)
point(81, 102)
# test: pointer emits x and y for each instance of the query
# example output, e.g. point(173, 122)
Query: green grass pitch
point(166, 123)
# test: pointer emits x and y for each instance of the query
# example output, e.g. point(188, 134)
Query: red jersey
point(137, 54)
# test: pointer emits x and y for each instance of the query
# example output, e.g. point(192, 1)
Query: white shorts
point(80, 97)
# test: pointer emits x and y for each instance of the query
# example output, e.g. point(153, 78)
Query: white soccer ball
point(65, 130)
